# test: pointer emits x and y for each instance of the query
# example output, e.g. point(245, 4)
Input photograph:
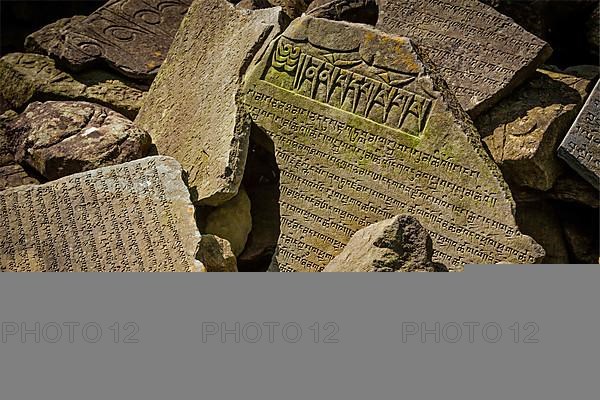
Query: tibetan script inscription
point(132, 217)
point(581, 147)
point(362, 132)
point(481, 53)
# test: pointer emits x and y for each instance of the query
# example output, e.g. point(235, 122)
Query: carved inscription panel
point(131, 217)
point(362, 134)
point(481, 53)
point(132, 36)
point(581, 146)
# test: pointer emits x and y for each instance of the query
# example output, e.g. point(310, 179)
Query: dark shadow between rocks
point(359, 11)
point(261, 181)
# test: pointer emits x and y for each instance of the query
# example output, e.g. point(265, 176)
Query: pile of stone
point(290, 135)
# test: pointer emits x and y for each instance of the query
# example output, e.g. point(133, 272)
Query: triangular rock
point(364, 130)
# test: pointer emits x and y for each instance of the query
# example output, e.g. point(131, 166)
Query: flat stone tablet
point(581, 147)
point(131, 36)
point(132, 217)
point(481, 53)
point(191, 110)
point(363, 130)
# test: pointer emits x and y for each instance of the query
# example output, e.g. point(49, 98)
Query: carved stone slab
point(191, 110)
point(481, 53)
point(132, 36)
point(132, 217)
point(363, 131)
point(581, 147)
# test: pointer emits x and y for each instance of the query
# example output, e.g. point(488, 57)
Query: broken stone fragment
point(11, 173)
point(59, 138)
point(192, 111)
point(26, 77)
point(136, 216)
point(523, 131)
point(130, 36)
point(216, 255)
point(399, 244)
point(232, 221)
point(362, 130)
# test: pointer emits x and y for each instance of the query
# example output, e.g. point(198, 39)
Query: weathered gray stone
point(523, 131)
point(216, 255)
point(232, 221)
point(399, 244)
point(29, 77)
point(132, 217)
point(363, 130)
point(131, 36)
point(581, 147)
point(59, 138)
point(191, 110)
point(482, 54)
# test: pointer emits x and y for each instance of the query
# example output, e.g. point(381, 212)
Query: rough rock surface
point(394, 245)
point(363, 130)
point(571, 187)
point(363, 11)
point(131, 36)
point(191, 109)
point(132, 217)
point(216, 255)
point(232, 221)
point(30, 77)
point(523, 131)
point(11, 173)
point(59, 138)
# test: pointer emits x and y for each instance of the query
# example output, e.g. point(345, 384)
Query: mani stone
point(131, 36)
point(523, 131)
point(60, 138)
point(581, 147)
point(131, 217)
point(482, 54)
point(191, 110)
point(26, 77)
point(363, 130)
point(398, 244)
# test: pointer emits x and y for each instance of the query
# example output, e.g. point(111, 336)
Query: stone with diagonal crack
point(191, 110)
point(131, 217)
point(131, 36)
point(364, 130)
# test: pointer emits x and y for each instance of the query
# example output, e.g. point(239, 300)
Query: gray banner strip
point(509, 333)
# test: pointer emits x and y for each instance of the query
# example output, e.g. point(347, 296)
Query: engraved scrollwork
point(286, 57)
